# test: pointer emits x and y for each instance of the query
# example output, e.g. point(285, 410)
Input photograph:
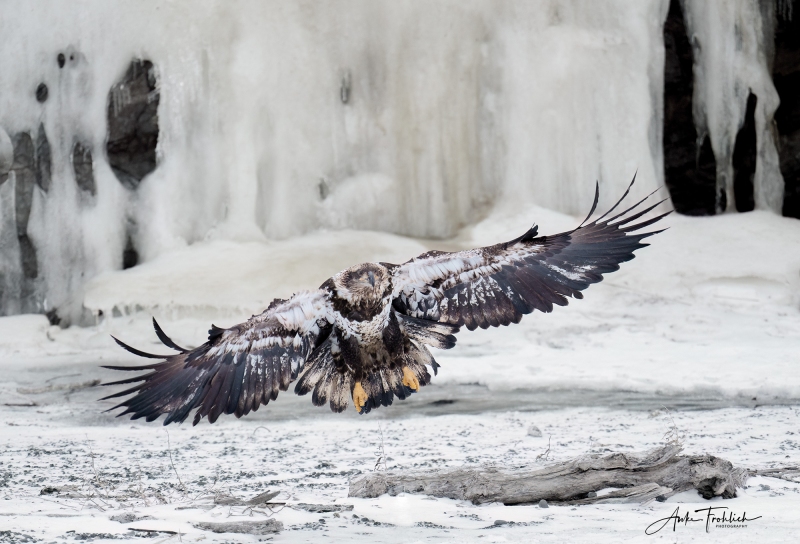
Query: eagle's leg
point(410, 379)
point(359, 396)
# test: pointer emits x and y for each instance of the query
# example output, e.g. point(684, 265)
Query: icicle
point(730, 50)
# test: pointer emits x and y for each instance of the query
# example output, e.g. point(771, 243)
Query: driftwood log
point(261, 527)
point(638, 477)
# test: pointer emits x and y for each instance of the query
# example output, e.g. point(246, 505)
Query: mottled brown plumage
point(364, 334)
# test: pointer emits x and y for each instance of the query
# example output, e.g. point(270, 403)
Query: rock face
point(786, 75)
point(43, 160)
point(41, 92)
point(689, 170)
point(19, 265)
point(84, 171)
point(133, 124)
point(24, 163)
point(6, 155)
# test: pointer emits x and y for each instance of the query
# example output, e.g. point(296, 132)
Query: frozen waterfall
point(279, 118)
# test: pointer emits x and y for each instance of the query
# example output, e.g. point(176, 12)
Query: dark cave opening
point(24, 169)
point(745, 152)
point(130, 257)
point(133, 124)
point(786, 76)
point(690, 172)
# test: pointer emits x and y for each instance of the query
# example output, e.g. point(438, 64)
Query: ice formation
point(731, 43)
point(280, 118)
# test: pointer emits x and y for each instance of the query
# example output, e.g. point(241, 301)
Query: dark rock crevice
point(133, 124)
point(689, 165)
point(745, 154)
point(23, 167)
point(41, 92)
point(130, 257)
point(83, 167)
point(43, 160)
point(786, 76)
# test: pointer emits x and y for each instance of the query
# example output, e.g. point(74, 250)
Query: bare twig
point(788, 473)
point(380, 453)
point(171, 462)
point(99, 482)
point(260, 427)
point(673, 435)
point(140, 489)
point(546, 455)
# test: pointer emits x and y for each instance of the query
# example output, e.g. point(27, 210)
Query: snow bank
point(226, 278)
point(746, 255)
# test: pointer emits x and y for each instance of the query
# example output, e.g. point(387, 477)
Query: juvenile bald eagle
point(364, 333)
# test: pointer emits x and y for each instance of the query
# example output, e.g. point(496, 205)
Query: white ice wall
point(455, 106)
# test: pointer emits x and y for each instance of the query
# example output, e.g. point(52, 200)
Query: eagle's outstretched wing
point(497, 285)
point(236, 371)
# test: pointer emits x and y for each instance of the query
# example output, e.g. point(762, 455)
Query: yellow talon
point(410, 379)
point(359, 396)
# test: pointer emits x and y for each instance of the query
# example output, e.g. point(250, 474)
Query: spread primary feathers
point(363, 335)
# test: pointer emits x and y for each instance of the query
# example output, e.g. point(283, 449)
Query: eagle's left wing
point(497, 285)
point(236, 371)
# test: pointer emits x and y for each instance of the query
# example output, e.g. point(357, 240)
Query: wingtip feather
point(135, 351)
point(166, 340)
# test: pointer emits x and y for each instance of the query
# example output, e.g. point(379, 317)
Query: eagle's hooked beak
point(371, 278)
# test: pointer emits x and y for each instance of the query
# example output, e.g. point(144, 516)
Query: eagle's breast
point(369, 330)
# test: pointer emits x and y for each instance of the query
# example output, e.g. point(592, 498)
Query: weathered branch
point(790, 474)
point(657, 473)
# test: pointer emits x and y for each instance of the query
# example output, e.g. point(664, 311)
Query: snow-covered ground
point(705, 323)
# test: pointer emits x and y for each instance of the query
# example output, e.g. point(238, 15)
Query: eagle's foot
point(410, 379)
point(359, 396)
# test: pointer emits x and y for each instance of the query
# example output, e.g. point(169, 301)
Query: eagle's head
point(365, 284)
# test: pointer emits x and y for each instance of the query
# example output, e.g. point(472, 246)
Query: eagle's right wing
point(236, 371)
point(497, 285)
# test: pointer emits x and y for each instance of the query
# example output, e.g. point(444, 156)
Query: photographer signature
point(722, 520)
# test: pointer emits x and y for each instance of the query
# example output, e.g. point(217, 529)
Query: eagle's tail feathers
point(340, 391)
point(394, 380)
point(327, 384)
point(382, 386)
point(321, 393)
